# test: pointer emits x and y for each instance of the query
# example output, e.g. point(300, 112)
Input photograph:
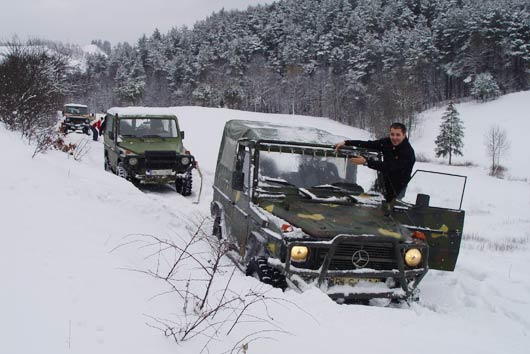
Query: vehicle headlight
point(133, 161)
point(185, 160)
point(413, 257)
point(299, 253)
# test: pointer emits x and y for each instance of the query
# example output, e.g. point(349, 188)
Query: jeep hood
point(140, 146)
point(326, 220)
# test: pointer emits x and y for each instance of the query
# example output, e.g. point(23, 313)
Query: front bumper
point(158, 167)
point(385, 276)
point(76, 126)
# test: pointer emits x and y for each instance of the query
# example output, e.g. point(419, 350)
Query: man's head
point(398, 133)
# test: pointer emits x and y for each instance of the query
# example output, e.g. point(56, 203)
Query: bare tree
point(196, 272)
point(496, 142)
point(32, 88)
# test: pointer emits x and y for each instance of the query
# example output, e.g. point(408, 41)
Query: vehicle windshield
point(148, 128)
point(305, 170)
point(76, 110)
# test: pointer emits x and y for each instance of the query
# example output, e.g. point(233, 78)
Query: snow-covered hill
point(65, 287)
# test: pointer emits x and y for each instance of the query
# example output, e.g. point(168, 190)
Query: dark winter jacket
point(396, 166)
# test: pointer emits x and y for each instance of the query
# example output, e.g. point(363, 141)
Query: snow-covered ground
point(68, 230)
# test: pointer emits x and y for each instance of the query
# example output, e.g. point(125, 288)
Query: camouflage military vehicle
point(147, 148)
point(291, 209)
point(75, 118)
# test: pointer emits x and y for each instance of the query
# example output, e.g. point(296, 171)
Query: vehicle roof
point(75, 105)
point(255, 130)
point(142, 112)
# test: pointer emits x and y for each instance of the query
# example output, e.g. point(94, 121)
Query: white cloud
point(78, 21)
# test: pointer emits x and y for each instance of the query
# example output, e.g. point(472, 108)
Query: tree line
point(361, 62)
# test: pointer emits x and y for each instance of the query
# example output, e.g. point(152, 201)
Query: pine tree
point(449, 141)
point(485, 87)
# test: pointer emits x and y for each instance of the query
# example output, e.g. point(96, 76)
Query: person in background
point(398, 160)
point(95, 125)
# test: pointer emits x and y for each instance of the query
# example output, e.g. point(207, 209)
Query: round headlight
point(299, 253)
point(185, 160)
point(133, 161)
point(413, 257)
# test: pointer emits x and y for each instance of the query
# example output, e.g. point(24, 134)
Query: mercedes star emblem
point(360, 259)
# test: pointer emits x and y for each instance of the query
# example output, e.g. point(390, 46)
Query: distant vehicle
point(147, 149)
point(76, 118)
point(290, 207)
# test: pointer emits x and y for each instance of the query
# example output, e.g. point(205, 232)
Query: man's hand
point(359, 160)
point(339, 145)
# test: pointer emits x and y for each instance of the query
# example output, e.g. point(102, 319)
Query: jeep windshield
point(313, 172)
point(76, 110)
point(147, 128)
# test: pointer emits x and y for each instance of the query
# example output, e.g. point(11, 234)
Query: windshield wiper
point(151, 136)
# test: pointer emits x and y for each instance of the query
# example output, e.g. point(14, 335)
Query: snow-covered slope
point(65, 288)
point(510, 112)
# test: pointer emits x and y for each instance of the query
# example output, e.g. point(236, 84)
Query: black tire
point(106, 164)
point(184, 184)
point(266, 274)
point(217, 229)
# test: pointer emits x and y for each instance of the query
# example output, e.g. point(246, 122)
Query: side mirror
point(238, 180)
point(422, 200)
point(182, 134)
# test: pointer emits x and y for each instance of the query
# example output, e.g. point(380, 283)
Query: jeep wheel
point(183, 184)
point(257, 266)
point(217, 230)
point(121, 171)
point(106, 164)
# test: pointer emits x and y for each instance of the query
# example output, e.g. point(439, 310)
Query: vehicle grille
point(160, 160)
point(75, 120)
point(382, 256)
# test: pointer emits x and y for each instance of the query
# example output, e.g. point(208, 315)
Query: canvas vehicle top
point(286, 200)
point(147, 148)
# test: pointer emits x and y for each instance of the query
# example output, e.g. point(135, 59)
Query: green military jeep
point(147, 149)
point(292, 211)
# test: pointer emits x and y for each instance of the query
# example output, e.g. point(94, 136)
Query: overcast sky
point(80, 21)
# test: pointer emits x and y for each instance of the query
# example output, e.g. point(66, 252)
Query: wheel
point(86, 131)
point(257, 266)
point(184, 184)
point(106, 164)
point(121, 171)
point(217, 230)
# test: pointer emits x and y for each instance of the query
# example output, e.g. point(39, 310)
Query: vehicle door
point(109, 140)
point(241, 196)
point(433, 206)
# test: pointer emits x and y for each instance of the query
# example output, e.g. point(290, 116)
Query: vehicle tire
point(106, 164)
point(217, 229)
point(121, 171)
point(184, 184)
point(86, 131)
point(266, 274)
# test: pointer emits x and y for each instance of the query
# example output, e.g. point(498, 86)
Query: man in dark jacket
point(398, 160)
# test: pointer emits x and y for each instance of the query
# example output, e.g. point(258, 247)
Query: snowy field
point(72, 259)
